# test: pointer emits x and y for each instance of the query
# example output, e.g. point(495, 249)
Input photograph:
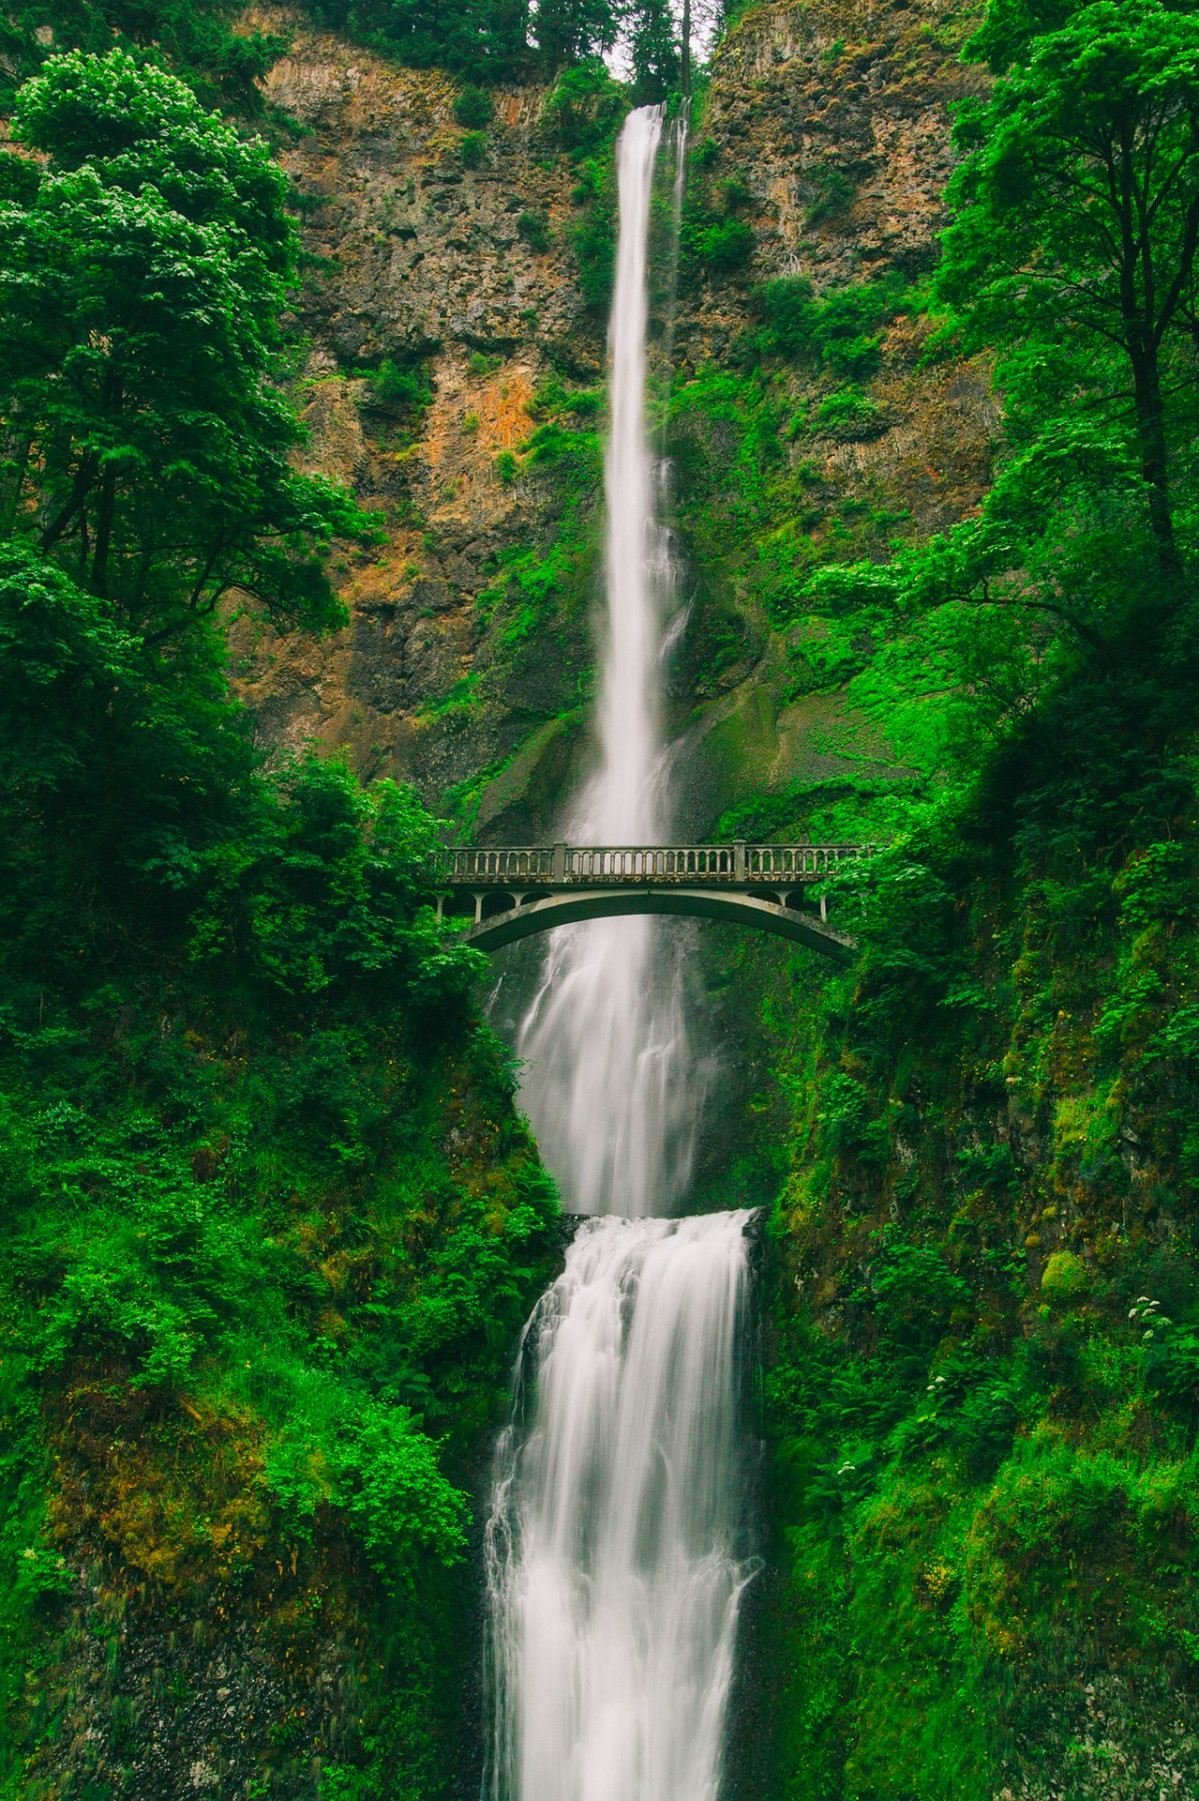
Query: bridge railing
point(602, 865)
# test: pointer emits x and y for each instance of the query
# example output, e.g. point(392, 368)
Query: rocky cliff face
point(455, 260)
point(420, 263)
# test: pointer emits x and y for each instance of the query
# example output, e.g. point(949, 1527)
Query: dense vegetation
point(484, 41)
point(270, 1222)
point(983, 1339)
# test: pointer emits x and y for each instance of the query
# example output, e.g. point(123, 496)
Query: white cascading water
point(614, 1560)
point(610, 1087)
point(615, 1553)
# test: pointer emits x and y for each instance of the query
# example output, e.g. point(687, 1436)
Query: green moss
point(1065, 1277)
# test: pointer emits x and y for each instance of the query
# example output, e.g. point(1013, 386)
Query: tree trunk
point(1155, 464)
point(108, 492)
point(19, 463)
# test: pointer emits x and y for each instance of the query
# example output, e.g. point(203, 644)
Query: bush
point(1171, 1374)
point(585, 108)
point(850, 415)
point(595, 246)
point(473, 149)
point(845, 1125)
point(837, 329)
point(473, 108)
point(534, 228)
point(725, 245)
point(836, 193)
point(395, 387)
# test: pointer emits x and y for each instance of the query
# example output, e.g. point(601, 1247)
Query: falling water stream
point(615, 1558)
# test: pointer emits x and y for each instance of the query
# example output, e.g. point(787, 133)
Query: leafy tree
point(196, 36)
point(148, 447)
point(487, 40)
point(132, 811)
point(570, 31)
point(1078, 214)
point(653, 51)
point(1011, 27)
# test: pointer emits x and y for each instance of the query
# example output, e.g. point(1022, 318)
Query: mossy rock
point(1065, 1277)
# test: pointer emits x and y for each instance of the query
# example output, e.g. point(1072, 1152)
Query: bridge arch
point(496, 929)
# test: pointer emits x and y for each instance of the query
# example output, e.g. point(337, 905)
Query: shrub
point(595, 248)
point(1171, 1373)
point(585, 108)
point(836, 191)
point(506, 467)
point(393, 386)
point(473, 149)
point(725, 245)
point(845, 1125)
point(850, 415)
point(837, 329)
point(473, 108)
point(534, 228)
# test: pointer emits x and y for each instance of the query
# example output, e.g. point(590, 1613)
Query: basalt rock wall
point(466, 665)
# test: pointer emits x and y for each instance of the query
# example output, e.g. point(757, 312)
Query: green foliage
point(196, 37)
point(141, 285)
point(585, 108)
point(724, 246)
point(473, 149)
point(654, 52)
point(400, 388)
point(485, 41)
point(835, 192)
point(552, 398)
point(534, 228)
point(473, 109)
point(260, 1167)
point(595, 245)
point(1171, 1374)
point(585, 111)
point(983, 1401)
point(845, 1127)
point(840, 330)
point(1076, 211)
point(850, 415)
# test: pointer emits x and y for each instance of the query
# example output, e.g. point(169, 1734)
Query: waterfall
point(610, 1087)
point(613, 1550)
point(615, 1561)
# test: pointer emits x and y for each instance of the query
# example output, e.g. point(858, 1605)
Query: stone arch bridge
point(512, 892)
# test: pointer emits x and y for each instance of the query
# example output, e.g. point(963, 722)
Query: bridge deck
point(519, 890)
point(737, 865)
